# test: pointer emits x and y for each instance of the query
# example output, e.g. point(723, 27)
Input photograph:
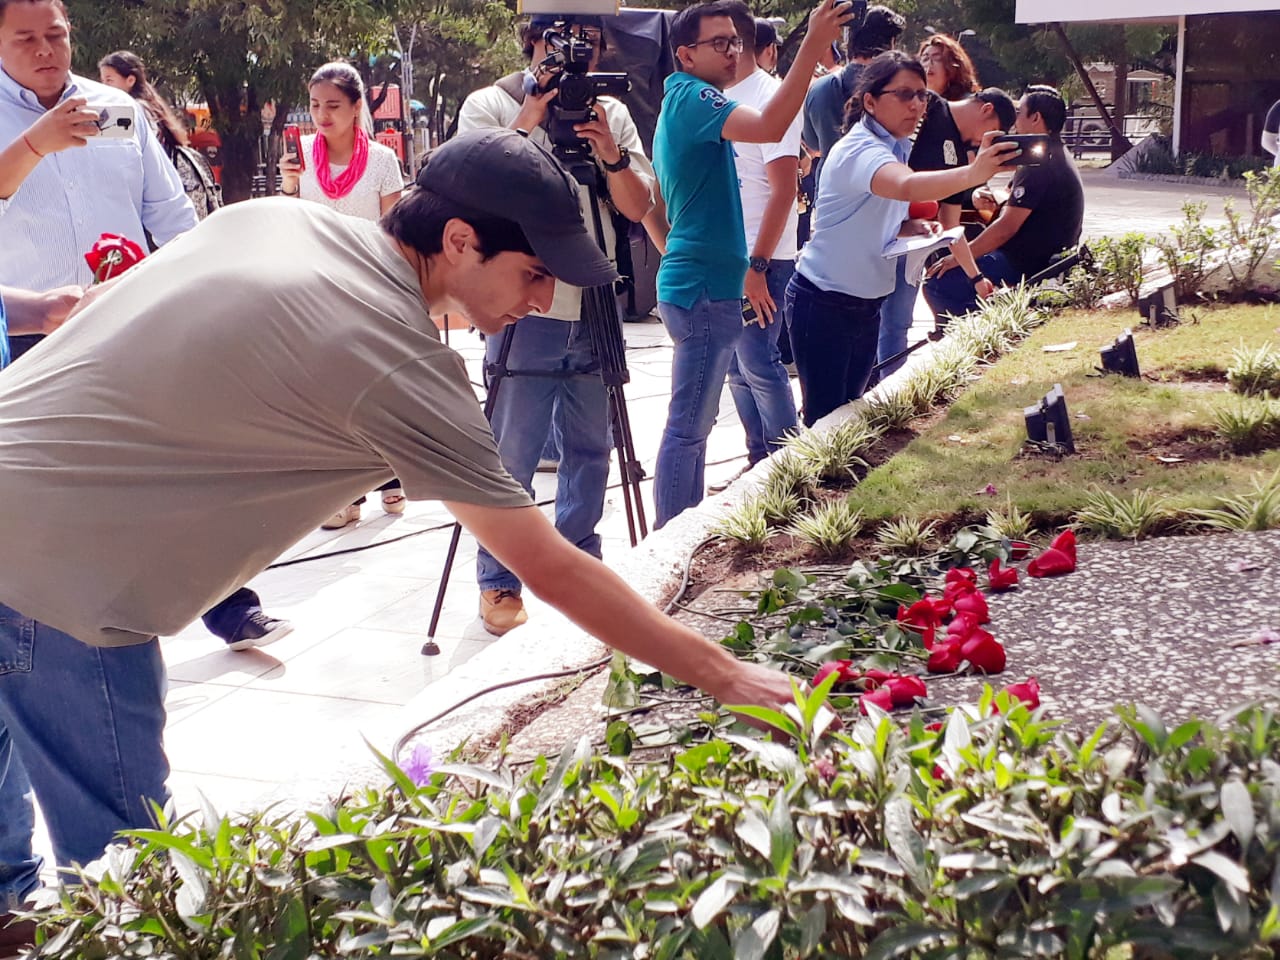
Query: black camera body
point(570, 63)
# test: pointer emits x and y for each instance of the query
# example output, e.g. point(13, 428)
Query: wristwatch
point(759, 264)
point(624, 161)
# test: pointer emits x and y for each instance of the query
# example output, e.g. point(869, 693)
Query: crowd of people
point(237, 423)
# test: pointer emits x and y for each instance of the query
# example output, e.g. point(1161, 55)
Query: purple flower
point(420, 765)
point(1266, 635)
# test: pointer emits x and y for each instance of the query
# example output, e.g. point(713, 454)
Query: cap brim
point(572, 256)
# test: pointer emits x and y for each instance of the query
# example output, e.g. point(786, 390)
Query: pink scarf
point(333, 189)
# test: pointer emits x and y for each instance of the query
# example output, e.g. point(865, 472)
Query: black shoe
point(259, 630)
point(15, 935)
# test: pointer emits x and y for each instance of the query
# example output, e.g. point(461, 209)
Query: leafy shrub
point(1250, 236)
point(830, 526)
point(1248, 425)
point(908, 536)
point(1011, 523)
point(834, 455)
point(1255, 373)
point(1124, 518)
point(1188, 249)
point(1084, 288)
point(997, 835)
point(747, 524)
point(1257, 510)
point(1120, 261)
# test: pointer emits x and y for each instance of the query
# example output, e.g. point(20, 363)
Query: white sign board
point(1046, 11)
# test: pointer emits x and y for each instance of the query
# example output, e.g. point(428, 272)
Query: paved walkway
point(290, 722)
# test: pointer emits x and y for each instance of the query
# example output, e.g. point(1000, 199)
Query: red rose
point(984, 652)
point(957, 588)
point(111, 256)
point(882, 698)
point(1001, 578)
point(962, 627)
point(1019, 550)
point(923, 618)
point(875, 678)
point(904, 690)
point(942, 607)
point(825, 769)
point(843, 667)
point(973, 605)
point(1066, 542)
point(1028, 692)
point(962, 575)
point(1052, 563)
point(945, 658)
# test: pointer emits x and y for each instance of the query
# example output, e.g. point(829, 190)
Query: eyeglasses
point(905, 95)
point(720, 44)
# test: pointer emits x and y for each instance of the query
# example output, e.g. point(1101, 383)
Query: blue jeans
point(573, 406)
point(84, 727)
point(896, 315)
point(704, 337)
point(952, 293)
point(833, 338)
point(757, 379)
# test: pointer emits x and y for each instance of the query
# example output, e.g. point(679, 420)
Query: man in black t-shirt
point(947, 132)
point(1042, 217)
point(1271, 132)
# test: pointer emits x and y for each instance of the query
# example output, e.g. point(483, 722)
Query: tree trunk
point(239, 125)
point(1118, 142)
point(1121, 98)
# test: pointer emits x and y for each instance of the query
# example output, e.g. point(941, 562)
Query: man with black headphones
point(563, 396)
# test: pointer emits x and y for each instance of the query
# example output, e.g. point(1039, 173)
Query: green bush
point(995, 835)
point(1250, 235)
point(1120, 262)
point(1188, 249)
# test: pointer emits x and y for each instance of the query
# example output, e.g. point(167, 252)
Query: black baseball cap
point(503, 173)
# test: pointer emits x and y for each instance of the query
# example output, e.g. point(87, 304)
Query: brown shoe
point(15, 935)
point(501, 610)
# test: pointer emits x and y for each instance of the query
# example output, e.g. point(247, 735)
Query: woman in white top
point(344, 168)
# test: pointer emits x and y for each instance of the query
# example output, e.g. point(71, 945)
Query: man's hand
point(751, 684)
point(985, 202)
point(69, 124)
point(756, 289)
point(533, 111)
point(942, 266)
point(984, 288)
point(825, 23)
point(597, 133)
point(57, 304)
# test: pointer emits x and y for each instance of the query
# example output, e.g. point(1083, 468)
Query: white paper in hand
point(916, 249)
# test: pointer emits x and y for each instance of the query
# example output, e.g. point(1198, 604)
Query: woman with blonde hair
point(948, 70)
point(344, 168)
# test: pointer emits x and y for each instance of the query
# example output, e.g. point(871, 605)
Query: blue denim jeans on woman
point(528, 407)
point(704, 337)
point(833, 338)
point(757, 379)
point(84, 727)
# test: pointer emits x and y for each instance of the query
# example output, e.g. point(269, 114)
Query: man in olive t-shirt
point(306, 371)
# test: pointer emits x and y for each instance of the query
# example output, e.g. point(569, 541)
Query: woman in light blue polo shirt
point(864, 190)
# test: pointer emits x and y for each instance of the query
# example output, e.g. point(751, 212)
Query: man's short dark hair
point(743, 21)
point(1047, 101)
point(13, 3)
point(766, 35)
point(1002, 103)
point(419, 217)
point(687, 24)
point(880, 29)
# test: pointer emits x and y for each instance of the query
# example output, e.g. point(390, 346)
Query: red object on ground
point(1001, 578)
point(1028, 692)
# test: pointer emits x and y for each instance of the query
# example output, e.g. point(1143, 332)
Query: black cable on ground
point(556, 675)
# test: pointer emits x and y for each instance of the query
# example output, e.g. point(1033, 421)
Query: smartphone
point(859, 8)
point(115, 121)
point(749, 315)
point(1034, 146)
point(293, 144)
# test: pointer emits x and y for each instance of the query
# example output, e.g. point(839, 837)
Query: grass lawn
point(1122, 427)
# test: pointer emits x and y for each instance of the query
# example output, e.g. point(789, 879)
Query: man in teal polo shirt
point(700, 281)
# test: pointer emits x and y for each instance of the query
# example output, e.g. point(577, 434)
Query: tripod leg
point(496, 375)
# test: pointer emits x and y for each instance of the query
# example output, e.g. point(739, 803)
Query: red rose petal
point(1052, 563)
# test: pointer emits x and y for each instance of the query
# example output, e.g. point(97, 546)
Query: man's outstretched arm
point(597, 599)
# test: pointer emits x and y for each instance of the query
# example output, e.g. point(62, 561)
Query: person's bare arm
point(655, 221)
point(949, 215)
point(783, 178)
point(388, 201)
point(599, 601)
point(897, 181)
point(69, 124)
point(748, 125)
point(27, 311)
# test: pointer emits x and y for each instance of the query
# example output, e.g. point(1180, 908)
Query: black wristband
point(624, 161)
point(976, 279)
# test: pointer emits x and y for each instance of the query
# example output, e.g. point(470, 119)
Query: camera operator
point(574, 400)
point(1043, 215)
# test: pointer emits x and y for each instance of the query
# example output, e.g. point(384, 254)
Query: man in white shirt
point(767, 178)
point(1271, 132)
point(563, 391)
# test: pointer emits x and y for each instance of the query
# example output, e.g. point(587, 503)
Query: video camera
point(569, 62)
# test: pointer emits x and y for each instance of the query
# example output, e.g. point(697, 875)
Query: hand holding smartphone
point(293, 145)
point(1033, 148)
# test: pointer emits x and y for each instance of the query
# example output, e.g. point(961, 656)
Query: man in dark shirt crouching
point(1041, 218)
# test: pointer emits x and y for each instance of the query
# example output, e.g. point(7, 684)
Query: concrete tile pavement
point(289, 722)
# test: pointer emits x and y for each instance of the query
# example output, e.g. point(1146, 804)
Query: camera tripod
point(604, 327)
